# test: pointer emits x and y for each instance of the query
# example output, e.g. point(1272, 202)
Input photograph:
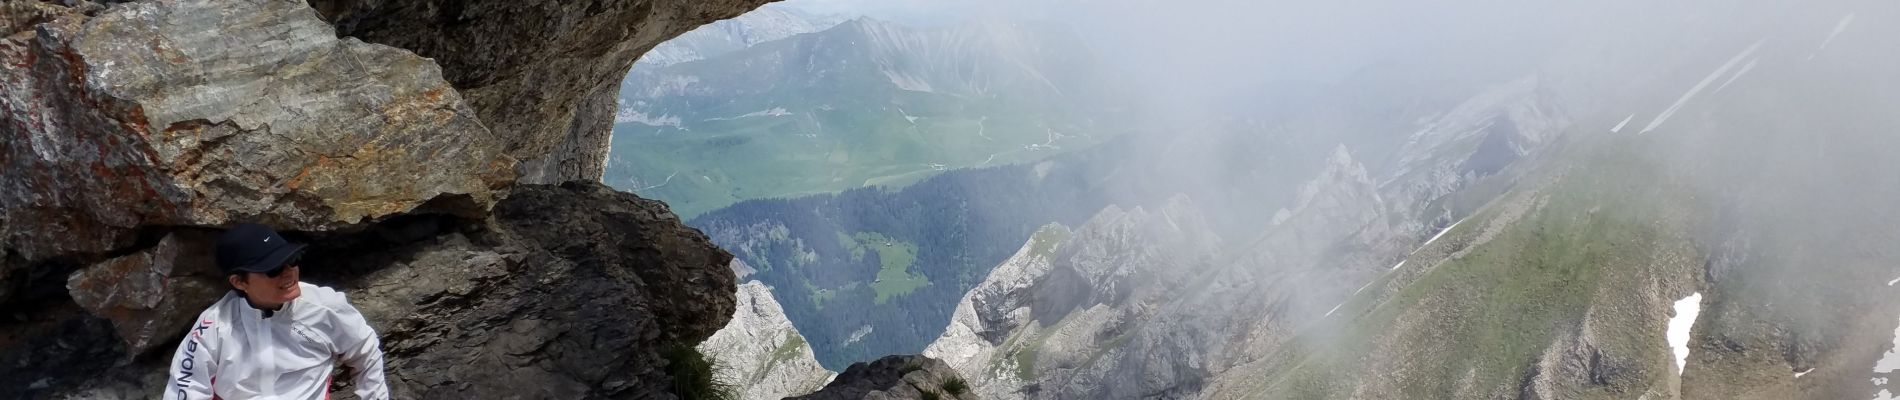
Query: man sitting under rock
point(273, 336)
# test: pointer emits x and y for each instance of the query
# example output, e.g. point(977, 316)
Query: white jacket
point(234, 353)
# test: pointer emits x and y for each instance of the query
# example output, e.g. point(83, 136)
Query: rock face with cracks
point(205, 112)
point(572, 296)
point(151, 295)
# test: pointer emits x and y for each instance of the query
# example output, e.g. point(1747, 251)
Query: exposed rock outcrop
point(994, 312)
point(573, 295)
point(759, 353)
point(1476, 139)
point(1076, 315)
point(895, 378)
point(153, 294)
point(541, 74)
point(151, 114)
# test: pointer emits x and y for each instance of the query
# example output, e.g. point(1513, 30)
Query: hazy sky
point(1243, 43)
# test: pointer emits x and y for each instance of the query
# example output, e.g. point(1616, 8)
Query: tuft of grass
point(929, 395)
point(955, 386)
point(1045, 240)
point(1026, 364)
point(694, 376)
point(909, 367)
point(1026, 355)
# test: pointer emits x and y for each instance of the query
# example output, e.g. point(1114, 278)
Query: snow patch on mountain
point(626, 115)
point(908, 82)
point(1891, 360)
point(1838, 28)
point(773, 112)
point(1619, 126)
point(1738, 74)
point(1686, 96)
point(1434, 238)
point(1888, 363)
point(907, 117)
point(858, 335)
point(1680, 325)
point(670, 85)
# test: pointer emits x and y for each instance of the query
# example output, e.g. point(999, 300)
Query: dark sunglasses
point(288, 264)
point(279, 271)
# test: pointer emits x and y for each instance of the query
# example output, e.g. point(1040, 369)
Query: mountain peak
point(868, 23)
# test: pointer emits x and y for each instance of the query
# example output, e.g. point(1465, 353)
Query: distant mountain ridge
point(768, 23)
point(864, 103)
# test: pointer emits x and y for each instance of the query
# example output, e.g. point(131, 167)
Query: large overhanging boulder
point(543, 74)
point(203, 112)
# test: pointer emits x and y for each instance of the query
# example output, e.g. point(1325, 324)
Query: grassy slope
point(1476, 323)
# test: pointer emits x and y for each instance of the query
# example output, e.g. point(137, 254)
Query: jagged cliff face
point(388, 136)
point(985, 334)
point(1072, 313)
point(760, 354)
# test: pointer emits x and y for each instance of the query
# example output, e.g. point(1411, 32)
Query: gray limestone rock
point(204, 112)
point(759, 353)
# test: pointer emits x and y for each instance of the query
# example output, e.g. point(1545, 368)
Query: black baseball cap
point(254, 248)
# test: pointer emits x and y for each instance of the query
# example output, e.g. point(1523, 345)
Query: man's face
point(268, 291)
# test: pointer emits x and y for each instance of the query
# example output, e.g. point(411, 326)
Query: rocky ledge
point(896, 377)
